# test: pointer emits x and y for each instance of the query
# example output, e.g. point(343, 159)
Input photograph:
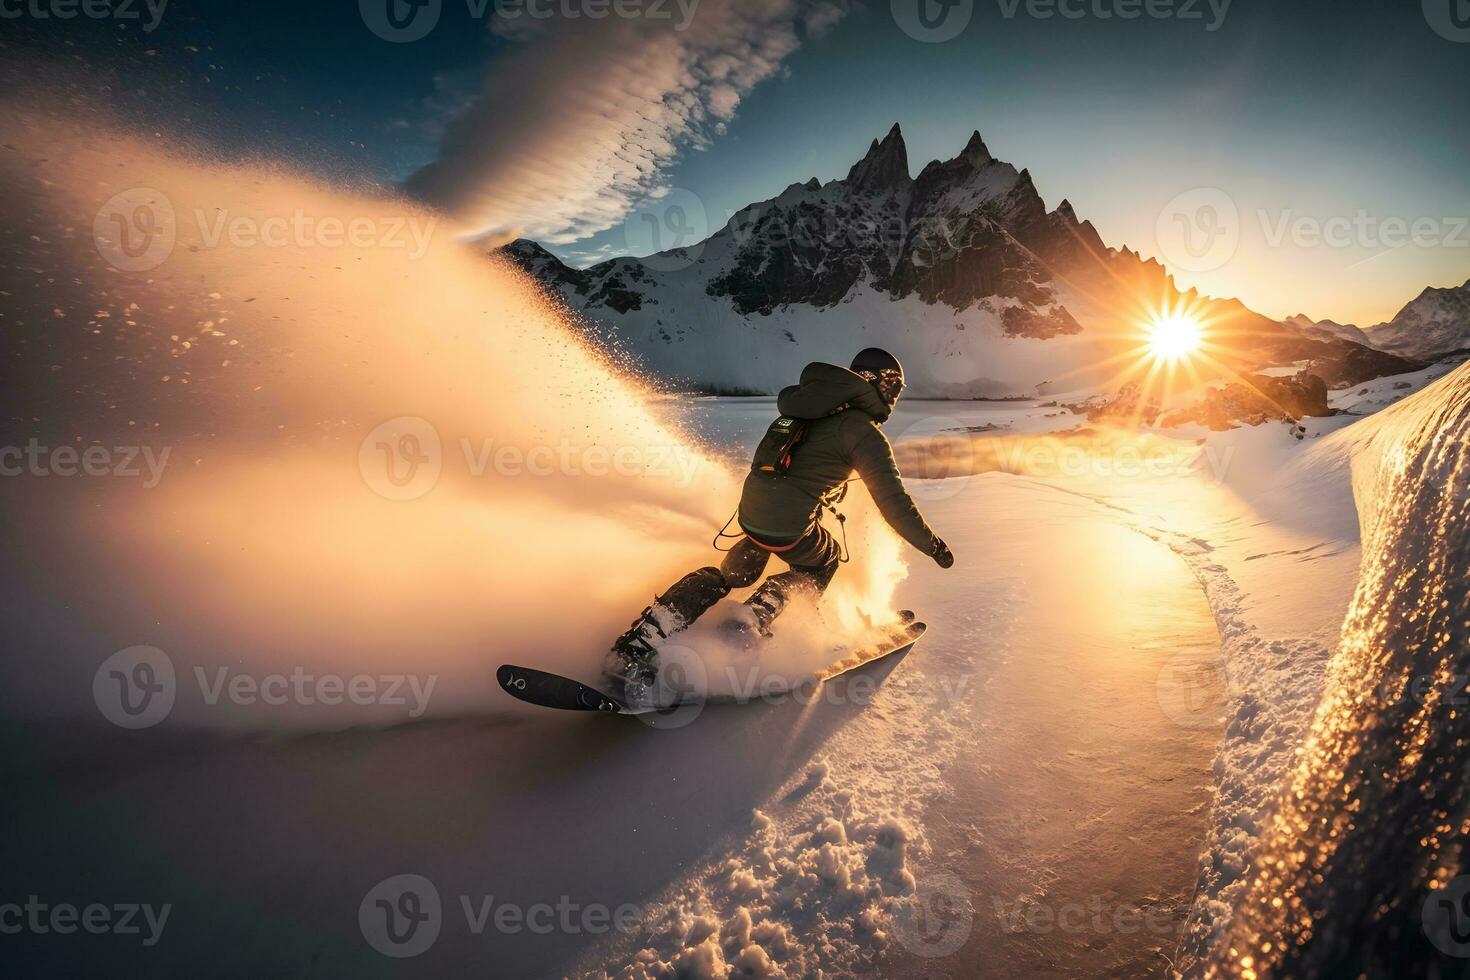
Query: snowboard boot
point(632, 663)
point(752, 622)
point(744, 628)
point(769, 600)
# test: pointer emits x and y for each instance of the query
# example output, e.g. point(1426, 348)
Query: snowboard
point(550, 690)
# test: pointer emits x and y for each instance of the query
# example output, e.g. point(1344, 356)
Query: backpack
point(774, 453)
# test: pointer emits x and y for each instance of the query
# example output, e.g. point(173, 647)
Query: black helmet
point(881, 368)
point(876, 359)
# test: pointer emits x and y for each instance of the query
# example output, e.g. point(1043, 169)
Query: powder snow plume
point(616, 100)
point(383, 452)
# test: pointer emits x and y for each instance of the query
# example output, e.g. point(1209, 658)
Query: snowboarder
point(829, 428)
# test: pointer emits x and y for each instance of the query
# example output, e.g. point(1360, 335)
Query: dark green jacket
point(844, 411)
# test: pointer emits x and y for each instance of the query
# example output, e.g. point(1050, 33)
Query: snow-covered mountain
point(1328, 329)
point(1436, 322)
point(961, 271)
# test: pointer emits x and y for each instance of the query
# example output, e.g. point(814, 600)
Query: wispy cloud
point(614, 102)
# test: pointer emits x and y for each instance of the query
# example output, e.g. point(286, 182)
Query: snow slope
point(1364, 853)
point(1291, 617)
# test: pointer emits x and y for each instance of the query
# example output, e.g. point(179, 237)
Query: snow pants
point(813, 559)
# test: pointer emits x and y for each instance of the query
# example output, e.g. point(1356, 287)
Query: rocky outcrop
point(1254, 400)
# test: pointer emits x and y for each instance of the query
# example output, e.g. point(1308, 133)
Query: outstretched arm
point(872, 457)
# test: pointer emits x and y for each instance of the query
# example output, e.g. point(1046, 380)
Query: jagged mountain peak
point(976, 153)
point(1441, 291)
point(965, 260)
point(885, 166)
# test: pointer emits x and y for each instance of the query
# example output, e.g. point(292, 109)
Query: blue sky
point(1305, 115)
point(1289, 110)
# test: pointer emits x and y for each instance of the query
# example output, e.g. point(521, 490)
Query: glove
point(941, 554)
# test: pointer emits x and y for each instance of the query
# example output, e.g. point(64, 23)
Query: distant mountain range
point(1437, 322)
point(962, 271)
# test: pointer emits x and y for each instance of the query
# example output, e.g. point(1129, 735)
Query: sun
point(1174, 336)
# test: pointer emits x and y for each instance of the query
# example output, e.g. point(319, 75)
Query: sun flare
point(1174, 336)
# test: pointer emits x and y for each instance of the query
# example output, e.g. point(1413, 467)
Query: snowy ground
point(1023, 774)
point(1117, 674)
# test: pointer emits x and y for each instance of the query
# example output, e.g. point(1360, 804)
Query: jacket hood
point(824, 388)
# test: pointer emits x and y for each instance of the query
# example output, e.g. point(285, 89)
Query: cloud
point(578, 121)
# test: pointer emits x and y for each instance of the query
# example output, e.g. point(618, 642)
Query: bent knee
point(713, 579)
point(822, 576)
point(737, 575)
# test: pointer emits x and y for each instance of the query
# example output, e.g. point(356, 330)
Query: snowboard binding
point(632, 663)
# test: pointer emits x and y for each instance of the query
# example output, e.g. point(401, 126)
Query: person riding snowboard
point(829, 428)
